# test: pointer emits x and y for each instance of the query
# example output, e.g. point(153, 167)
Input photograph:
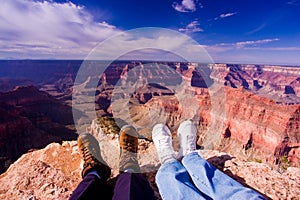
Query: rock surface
point(50, 173)
point(54, 172)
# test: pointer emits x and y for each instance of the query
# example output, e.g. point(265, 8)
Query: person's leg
point(130, 183)
point(91, 187)
point(133, 186)
point(208, 179)
point(95, 171)
point(172, 179)
point(174, 182)
point(213, 182)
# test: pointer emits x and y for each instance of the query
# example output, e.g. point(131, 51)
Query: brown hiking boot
point(90, 152)
point(128, 139)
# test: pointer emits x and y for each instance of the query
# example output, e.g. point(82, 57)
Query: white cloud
point(254, 42)
point(201, 5)
point(227, 15)
point(185, 6)
point(250, 44)
point(192, 27)
point(224, 15)
point(150, 38)
point(253, 53)
point(46, 29)
point(262, 26)
point(294, 2)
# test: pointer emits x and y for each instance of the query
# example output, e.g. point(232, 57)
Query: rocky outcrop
point(51, 173)
point(54, 172)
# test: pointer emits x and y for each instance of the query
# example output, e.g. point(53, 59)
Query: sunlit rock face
point(261, 105)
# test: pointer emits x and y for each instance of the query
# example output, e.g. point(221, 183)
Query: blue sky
point(232, 31)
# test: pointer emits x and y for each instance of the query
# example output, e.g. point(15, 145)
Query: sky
point(231, 31)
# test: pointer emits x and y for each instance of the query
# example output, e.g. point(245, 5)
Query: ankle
point(168, 160)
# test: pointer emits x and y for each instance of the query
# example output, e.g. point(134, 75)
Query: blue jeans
point(195, 178)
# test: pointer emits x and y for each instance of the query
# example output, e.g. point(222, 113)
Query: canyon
point(254, 109)
point(31, 119)
point(242, 110)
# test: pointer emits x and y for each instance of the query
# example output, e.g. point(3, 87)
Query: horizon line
point(146, 60)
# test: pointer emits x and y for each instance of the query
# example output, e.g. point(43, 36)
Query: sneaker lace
point(191, 140)
point(165, 142)
point(87, 155)
point(165, 145)
point(129, 145)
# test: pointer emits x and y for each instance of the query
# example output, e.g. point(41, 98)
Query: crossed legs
point(193, 177)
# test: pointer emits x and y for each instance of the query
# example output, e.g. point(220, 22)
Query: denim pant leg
point(215, 183)
point(174, 183)
point(133, 186)
point(91, 187)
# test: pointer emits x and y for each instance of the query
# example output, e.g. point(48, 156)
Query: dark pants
point(128, 186)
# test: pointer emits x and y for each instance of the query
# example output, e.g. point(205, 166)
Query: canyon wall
point(258, 108)
point(31, 119)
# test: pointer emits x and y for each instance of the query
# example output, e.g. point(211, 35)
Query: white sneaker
point(162, 139)
point(187, 135)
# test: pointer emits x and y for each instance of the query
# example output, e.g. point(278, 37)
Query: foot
point(90, 152)
point(187, 135)
point(162, 139)
point(128, 140)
